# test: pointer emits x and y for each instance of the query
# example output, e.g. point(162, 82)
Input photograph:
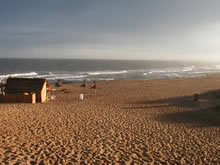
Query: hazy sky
point(112, 29)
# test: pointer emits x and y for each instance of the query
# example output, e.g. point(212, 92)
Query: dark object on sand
point(196, 97)
point(65, 90)
point(49, 86)
point(2, 87)
point(58, 83)
point(83, 84)
point(94, 85)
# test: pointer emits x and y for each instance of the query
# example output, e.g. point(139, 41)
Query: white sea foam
point(159, 71)
point(173, 75)
point(188, 69)
point(204, 72)
point(105, 79)
point(142, 73)
point(19, 75)
point(154, 72)
point(70, 77)
point(107, 72)
point(169, 72)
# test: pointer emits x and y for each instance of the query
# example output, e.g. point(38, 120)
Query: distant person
point(58, 83)
point(1, 89)
point(2, 86)
point(94, 85)
point(83, 84)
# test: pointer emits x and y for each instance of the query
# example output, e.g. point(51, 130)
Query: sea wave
point(60, 76)
point(142, 73)
point(107, 72)
point(19, 75)
point(71, 77)
point(169, 70)
point(188, 69)
point(173, 75)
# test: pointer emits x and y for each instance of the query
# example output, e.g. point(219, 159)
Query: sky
point(110, 29)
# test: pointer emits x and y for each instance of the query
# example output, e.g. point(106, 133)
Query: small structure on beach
point(25, 90)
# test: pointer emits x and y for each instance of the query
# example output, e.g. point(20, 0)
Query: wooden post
point(81, 96)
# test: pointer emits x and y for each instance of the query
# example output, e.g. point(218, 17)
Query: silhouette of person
point(83, 84)
point(94, 85)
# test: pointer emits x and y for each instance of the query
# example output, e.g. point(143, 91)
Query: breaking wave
point(68, 76)
point(105, 74)
point(31, 74)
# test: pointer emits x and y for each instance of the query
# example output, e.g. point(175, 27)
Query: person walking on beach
point(2, 87)
point(94, 85)
point(83, 84)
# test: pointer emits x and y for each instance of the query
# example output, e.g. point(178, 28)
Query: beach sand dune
point(128, 122)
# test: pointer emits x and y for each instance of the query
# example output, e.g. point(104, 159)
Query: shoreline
point(168, 78)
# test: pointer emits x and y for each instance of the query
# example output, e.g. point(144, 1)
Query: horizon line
point(111, 59)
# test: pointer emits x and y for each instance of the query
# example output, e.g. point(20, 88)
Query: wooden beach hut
point(27, 90)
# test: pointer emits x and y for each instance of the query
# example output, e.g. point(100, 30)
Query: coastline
point(77, 70)
point(128, 121)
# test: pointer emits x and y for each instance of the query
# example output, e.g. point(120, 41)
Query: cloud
point(109, 29)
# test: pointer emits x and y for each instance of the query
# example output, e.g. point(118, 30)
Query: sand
point(128, 122)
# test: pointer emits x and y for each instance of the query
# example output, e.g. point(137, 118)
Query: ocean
point(76, 70)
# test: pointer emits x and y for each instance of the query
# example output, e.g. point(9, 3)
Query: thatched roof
point(22, 85)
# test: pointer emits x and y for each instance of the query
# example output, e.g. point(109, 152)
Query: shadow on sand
point(209, 117)
point(202, 113)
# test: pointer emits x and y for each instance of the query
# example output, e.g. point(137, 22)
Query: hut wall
point(44, 93)
point(18, 98)
point(42, 96)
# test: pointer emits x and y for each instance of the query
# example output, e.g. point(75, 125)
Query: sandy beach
point(127, 122)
